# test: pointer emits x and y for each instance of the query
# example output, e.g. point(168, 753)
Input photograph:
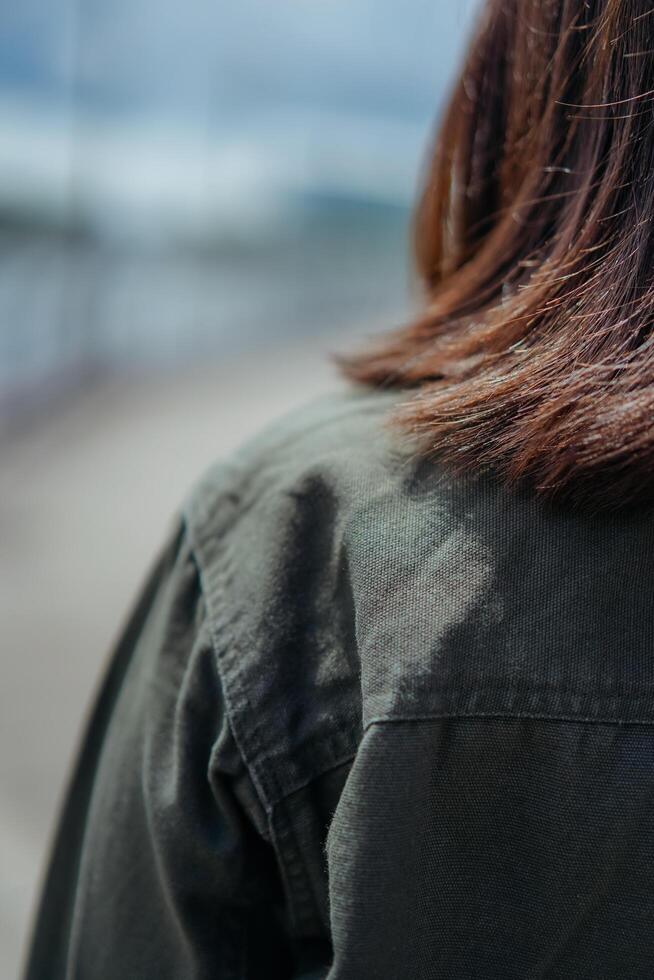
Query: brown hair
point(534, 239)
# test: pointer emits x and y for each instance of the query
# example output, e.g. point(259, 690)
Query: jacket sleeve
point(160, 865)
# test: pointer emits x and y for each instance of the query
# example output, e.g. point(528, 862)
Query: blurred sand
point(86, 498)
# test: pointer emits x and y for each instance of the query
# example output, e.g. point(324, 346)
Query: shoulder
point(334, 435)
point(272, 529)
point(347, 581)
point(350, 582)
point(274, 505)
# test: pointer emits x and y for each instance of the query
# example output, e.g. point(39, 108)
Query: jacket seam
point(224, 649)
point(513, 715)
point(332, 767)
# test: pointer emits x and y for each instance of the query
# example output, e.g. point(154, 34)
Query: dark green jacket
point(367, 721)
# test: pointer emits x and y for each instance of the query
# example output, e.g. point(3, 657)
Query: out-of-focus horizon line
point(113, 175)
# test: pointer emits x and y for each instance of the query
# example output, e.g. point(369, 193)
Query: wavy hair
point(534, 240)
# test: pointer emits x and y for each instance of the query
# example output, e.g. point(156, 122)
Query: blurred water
point(74, 303)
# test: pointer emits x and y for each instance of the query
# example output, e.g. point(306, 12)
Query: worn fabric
point(368, 721)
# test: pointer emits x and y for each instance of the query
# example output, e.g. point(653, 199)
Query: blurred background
point(197, 203)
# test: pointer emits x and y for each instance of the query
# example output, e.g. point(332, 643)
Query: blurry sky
point(274, 92)
point(181, 179)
